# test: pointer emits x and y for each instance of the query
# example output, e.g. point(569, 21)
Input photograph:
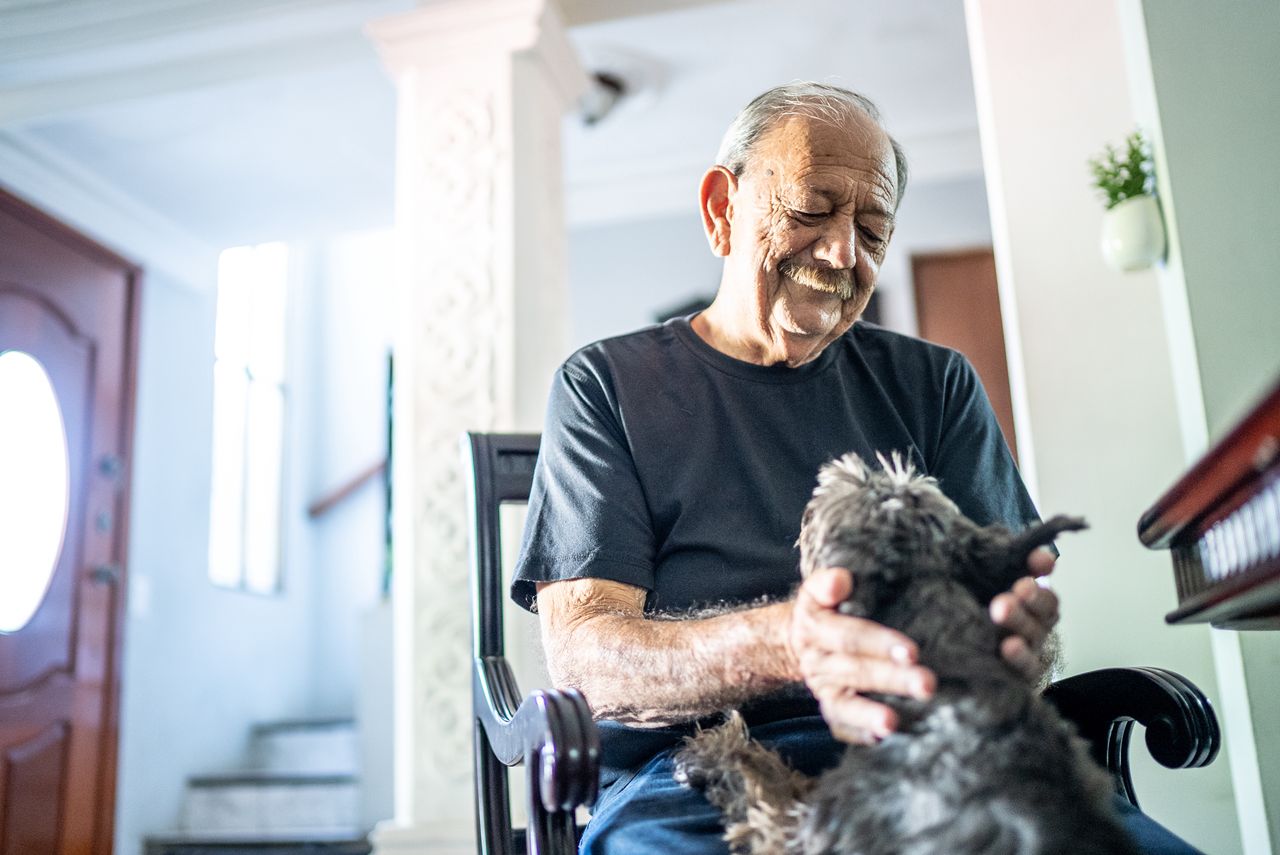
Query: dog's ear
point(991, 558)
point(982, 559)
point(1042, 535)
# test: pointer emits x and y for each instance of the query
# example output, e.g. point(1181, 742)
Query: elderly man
point(676, 462)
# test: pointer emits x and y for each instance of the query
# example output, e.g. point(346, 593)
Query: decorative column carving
point(482, 304)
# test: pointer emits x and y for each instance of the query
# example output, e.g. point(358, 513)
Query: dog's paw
point(705, 754)
point(689, 774)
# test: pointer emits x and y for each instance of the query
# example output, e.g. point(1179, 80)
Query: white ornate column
point(482, 86)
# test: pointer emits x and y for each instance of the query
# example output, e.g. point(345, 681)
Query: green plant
point(1123, 175)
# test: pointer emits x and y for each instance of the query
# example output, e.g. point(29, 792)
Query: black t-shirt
point(668, 465)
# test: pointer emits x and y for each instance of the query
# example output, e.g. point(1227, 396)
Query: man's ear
point(715, 201)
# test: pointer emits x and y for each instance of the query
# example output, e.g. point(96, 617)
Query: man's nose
point(836, 245)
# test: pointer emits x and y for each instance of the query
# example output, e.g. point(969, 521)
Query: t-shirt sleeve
point(974, 466)
point(587, 511)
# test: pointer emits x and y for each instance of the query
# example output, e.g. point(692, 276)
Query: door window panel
point(34, 487)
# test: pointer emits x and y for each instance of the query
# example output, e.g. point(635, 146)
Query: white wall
point(344, 298)
point(621, 274)
point(1050, 82)
point(201, 664)
point(347, 290)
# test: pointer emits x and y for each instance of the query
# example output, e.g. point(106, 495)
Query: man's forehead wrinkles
point(839, 184)
point(798, 162)
point(864, 157)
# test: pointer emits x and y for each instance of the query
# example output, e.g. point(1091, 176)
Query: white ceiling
point(238, 121)
point(910, 56)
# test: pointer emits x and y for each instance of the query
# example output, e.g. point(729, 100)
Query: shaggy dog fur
point(985, 766)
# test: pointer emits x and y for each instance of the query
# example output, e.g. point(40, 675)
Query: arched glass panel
point(33, 487)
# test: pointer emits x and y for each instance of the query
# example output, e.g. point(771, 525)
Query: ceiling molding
point(105, 213)
point(50, 99)
point(60, 58)
point(72, 28)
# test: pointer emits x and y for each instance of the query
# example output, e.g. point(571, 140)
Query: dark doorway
point(958, 304)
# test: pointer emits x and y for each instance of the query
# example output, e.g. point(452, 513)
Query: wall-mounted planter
point(1133, 234)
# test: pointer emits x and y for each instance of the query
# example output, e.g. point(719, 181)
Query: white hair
point(820, 101)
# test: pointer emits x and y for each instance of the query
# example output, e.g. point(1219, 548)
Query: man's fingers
point(1016, 653)
point(833, 633)
point(839, 656)
point(1041, 602)
point(834, 673)
point(1009, 612)
point(829, 631)
point(828, 588)
point(1040, 562)
point(856, 719)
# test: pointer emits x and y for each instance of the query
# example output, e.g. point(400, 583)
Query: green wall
point(1216, 68)
point(1216, 72)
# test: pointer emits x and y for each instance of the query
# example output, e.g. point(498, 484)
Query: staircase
point(298, 792)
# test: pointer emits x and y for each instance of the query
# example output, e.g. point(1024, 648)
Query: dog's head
point(881, 524)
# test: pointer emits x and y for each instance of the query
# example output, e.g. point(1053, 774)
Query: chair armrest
point(551, 731)
point(1182, 730)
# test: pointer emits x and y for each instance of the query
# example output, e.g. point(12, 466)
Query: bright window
point(249, 396)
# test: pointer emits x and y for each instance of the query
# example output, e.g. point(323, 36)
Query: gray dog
point(985, 766)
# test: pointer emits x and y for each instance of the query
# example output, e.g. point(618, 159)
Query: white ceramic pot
point(1133, 234)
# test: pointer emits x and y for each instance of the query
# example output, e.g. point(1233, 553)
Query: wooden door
point(958, 304)
point(70, 307)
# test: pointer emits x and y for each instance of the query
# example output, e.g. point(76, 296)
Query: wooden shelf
point(1221, 523)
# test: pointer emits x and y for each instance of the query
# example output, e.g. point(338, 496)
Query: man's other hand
point(841, 658)
point(1030, 612)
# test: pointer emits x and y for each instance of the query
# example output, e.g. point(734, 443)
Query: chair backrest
point(551, 731)
point(501, 471)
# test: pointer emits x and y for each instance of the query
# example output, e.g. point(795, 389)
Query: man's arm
point(650, 673)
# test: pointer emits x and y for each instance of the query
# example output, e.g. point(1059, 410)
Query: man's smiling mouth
point(827, 280)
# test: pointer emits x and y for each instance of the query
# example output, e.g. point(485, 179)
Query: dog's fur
point(985, 766)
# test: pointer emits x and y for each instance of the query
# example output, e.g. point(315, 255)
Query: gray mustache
point(828, 279)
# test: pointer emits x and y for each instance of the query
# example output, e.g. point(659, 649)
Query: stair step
point(350, 842)
point(269, 778)
point(266, 802)
point(328, 746)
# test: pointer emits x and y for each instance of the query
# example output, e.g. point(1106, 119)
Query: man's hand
point(842, 657)
point(1030, 613)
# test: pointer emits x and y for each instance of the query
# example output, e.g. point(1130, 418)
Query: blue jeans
point(649, 812)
